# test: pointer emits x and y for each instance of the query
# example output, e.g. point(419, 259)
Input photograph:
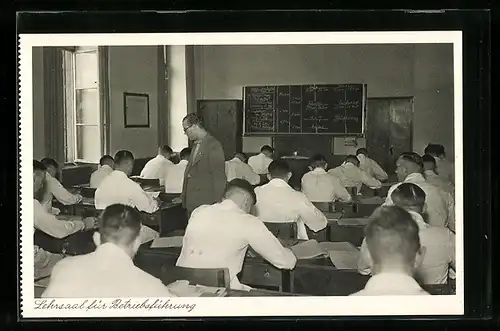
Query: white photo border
point(244, 306)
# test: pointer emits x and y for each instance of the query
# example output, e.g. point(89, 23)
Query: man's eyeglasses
point(186, 128)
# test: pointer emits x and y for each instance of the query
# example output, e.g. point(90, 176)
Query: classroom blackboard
point(304, 109)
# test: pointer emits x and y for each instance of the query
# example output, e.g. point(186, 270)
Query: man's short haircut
point(363, 151)
point(165, 149)
point(266, 148)
point(391, 234)
point(241, 155)
point(123, 156)
point(412, 158)
point(408, 195)
point(119, 224)
point(434, 149)
point(193, 119)
point(278, 169)
point(185, 153)
point(428, 158)
point(318, 160)
point(37, 165)
point(240, 184)
point(352, 158)
point(106, 159)
point(49, 162)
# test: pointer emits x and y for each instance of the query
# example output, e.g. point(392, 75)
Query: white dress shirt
point(174, 179)
point(108, 272)
point(218, 235)
point(352, 176)
point(391, 284)
point(277, 202)
point(55, 189)
point(98, 176)
point(49, 224)
point(440, 253)
point(235, 168)
point(156, 168)
point(320, 186)
point(371, 167)
point(445, 169)
point(441, 211)
point(44, 261)
point(118, 188)
point(435, 180)
point(260, 163)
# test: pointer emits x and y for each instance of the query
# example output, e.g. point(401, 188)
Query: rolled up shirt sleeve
point(309, 214)
point(61, 194)
point(49, 224)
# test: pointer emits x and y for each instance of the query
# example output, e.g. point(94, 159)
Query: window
point(85, 120)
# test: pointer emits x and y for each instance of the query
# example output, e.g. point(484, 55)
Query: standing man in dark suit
point(205, 176)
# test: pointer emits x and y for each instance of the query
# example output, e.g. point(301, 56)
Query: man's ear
point(420, 256)
point(96, 237)
point(310, 168)
point(288, 176)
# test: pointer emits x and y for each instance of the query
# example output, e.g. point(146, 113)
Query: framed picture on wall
point(136, 110)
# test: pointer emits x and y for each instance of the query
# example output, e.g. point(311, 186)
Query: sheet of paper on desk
point(344, 260)
point(308, 250)
point(360, 221)
point(332, 216)
point(165, 242)
point(87, 201)
point(371, 201)
point(153, 194)
point(338, 246)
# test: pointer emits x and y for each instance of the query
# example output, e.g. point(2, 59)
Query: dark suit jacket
point(205, 175)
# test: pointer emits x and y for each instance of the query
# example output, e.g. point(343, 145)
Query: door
point(223, 119)
point(389, 130)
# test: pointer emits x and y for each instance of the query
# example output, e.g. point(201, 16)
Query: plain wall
point(133, 69)
point(388, 70)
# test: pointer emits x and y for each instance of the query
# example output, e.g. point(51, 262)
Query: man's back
point(351, 176)
point(319, 186)
point(440, 252)
point(175, 177)
point(236, 168)
point(259, 163)
point(156, 168)
point(99, 175)
point(105, 273)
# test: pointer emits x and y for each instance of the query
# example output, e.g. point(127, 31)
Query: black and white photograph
point(231, 174)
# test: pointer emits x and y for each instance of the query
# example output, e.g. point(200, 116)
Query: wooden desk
point(310, 277)
point(258, 293)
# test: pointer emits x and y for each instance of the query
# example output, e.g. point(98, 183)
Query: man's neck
point(122, 170)
point(392, 269)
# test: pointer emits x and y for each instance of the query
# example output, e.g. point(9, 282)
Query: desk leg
point(287, 281)
point(329, 232)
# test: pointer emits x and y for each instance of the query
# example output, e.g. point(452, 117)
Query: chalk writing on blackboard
point(345, 118)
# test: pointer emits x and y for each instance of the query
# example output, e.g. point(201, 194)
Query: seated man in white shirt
point(440, 211)
point(237, 168)
point(439, 242)
point(218, 235)
point(278, 202)
point(117, 187)
point(261, 161)
point(109, 271)
point(444, 168)
point(54, 189)
point(350, 175)
point(174, 179)
point(394, 248)
point(49, 224)
point(157, 167)
point(319, 186)
point(370, 166)
point(106, 165)
point(432, 177)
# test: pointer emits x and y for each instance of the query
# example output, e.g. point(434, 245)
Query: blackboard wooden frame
point(145, 97)
point(272, 134)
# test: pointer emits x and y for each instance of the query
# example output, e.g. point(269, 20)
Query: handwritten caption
point(114, 304)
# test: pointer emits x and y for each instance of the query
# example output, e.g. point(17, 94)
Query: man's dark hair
point(278, 169)
point(185, 153)
point(413, 158)
point(119, 224)
point(266, 148)
point(392, 234)
point(434, 149)
point(106, 159)
point(37, 165)
point(240, 184)
point(353, 159)
point(165, 149)
point(428, 158)
point(123, 156)
point(193, 119)
point(318, 160)
point(363, 151)
point(409, 196)
point(49, 162)
point(242, 156)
